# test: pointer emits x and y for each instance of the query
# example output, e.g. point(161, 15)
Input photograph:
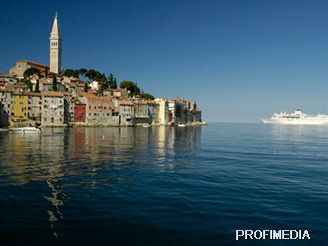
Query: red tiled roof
point(32, 63)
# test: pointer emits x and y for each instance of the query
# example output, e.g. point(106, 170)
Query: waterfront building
point(22, 65)
point(55, 47)
point(163, 111)
point(79, 113)
point(186, 111)
point(126, 113)
point(19, 109)
point(153, 112)
point(99, 110)
point(34, 107)
point(171, 109)
point(197, 115)
point(141, 115)
point(5, 102)
point(53, 107)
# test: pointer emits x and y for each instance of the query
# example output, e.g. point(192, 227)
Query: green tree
point(37, 86)
point(147, 96)
point(86, 87)
point(91, 74)
point(111, 80)
point(69, 72)
point(31, 71)
point(114, 84)
point(95, 75)
point(132, 87)
point(28, 83)
point(75, 72)
point(82, 71)
point(54, 83)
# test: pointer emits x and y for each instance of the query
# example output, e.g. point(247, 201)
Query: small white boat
point(146, 125)
point(3, 130)
point(181, 125)
point(26, 129)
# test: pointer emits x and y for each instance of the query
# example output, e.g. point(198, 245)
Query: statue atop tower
point(55, 47)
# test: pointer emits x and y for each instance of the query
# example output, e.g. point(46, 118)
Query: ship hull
point(306, 121)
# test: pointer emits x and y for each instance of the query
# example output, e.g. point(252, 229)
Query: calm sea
point(163, 186)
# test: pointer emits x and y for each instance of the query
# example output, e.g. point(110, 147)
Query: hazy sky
point(241, 60)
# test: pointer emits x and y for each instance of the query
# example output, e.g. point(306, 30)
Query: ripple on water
point(162, 186)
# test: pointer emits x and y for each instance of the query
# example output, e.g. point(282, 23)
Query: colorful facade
point(79, 113)
point(19, 109)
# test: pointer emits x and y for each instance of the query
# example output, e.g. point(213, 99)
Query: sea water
point(163, 185)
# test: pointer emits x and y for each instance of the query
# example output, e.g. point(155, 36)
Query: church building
point(55, 56)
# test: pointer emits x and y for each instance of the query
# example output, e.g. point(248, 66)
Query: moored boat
point(26, 129)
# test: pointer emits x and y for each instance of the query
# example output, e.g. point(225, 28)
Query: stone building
point(99, 110)
point(22, 65)
point(126, 113)
point(53, 108)
point(5, 109)
point(187, 111)
point(141, 114)
point(8, 79)
point(153, 112)
point(163, 111)
point(34, 107)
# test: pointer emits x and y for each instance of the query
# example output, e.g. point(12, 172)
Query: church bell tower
point(55, 47)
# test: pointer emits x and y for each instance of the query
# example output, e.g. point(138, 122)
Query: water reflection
point(298, 140)
point(86, 152)
point(56, 200)
point(60, 160)
point(297, 132)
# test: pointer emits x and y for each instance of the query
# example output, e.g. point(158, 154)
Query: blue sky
point(240, 59)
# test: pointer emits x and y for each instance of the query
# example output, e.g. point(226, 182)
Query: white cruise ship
point(297, 118)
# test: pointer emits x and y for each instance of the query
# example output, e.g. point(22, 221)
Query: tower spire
point(55, 47)
point(55, 26)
